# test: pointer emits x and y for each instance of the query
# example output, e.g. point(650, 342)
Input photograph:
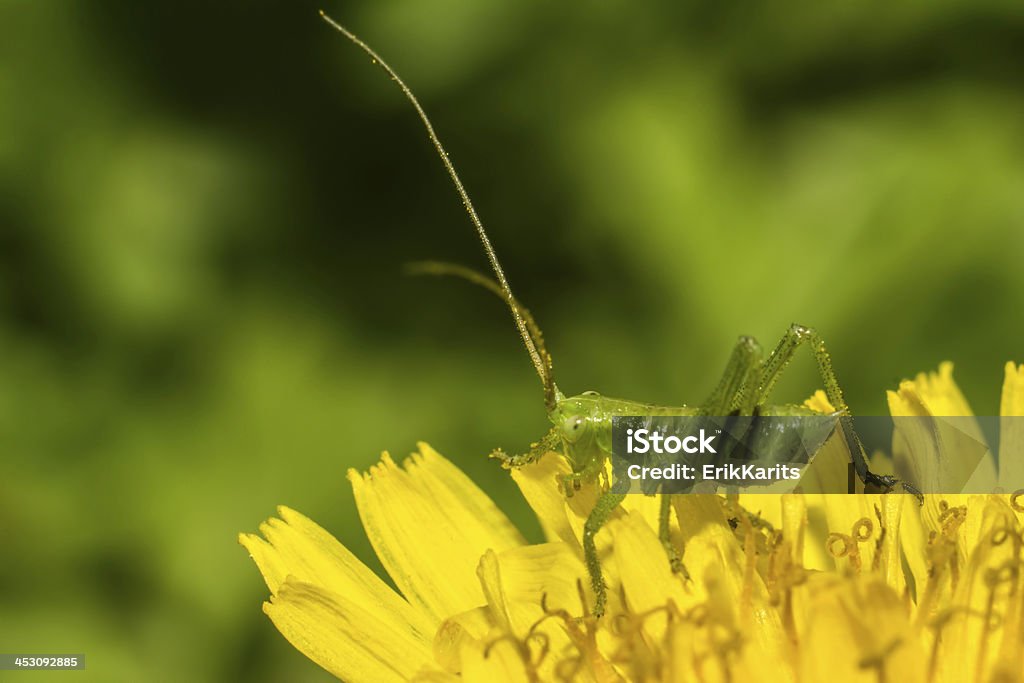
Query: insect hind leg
point(739, 381)
point(736, 392)
point(775, 364)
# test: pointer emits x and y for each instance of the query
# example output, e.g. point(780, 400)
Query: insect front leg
point(772, 370)
point(548, 443)
point(574, 481)
point(606, 504)
point(511, 462)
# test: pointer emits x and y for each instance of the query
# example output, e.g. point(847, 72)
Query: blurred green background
point(204, 210)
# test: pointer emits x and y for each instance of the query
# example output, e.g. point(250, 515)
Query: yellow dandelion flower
point(864, 587)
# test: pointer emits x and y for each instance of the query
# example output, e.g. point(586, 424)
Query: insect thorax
point(584, 424)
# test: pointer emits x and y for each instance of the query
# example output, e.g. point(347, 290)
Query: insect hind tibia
point(550, 392)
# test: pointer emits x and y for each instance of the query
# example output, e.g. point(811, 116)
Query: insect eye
point(573, 427)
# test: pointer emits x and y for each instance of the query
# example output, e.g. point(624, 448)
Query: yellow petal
point(467, 629)
point(526, 576)
point(913, 545)
point(794, 526)
point(644, 570)
point(520, 582)
point(347, 640)
point(451, 489)
point(647, 579)
point(941, 450)
point(857, 630)
point(990, 579)
point(296, 546)
point(1011, 430)
point(819, 402)
point(1013, 391)
point(435, 677)
point(539, 484)
point(684, 655)
point(1011, 654)
point(501, 662)
point(726, 572)
point(889, 561)
point(490, 581)
point(429, 524)
point(940, 393)
point(806, 540)
point(646, 507)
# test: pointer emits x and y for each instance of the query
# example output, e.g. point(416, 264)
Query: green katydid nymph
point(582, 424)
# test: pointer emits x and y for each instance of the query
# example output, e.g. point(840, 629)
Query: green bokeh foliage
point(204, 210)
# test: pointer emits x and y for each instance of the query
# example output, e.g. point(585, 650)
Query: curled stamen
point(548, 614)
point(1006, 573)
point(993, 620)
point(859, 533)
point(621, 623)
point(545, 647)
point(582, 632)
point(630, 624)
point(863, 525)
point(522, 649)
point(532, 635)
point(848, 544)
point(508, 637)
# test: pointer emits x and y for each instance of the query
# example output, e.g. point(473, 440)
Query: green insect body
point(582, 432)
point(582, 424)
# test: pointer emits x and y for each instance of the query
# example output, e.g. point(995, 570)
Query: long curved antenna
point(441, 268)
point(499, 274)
